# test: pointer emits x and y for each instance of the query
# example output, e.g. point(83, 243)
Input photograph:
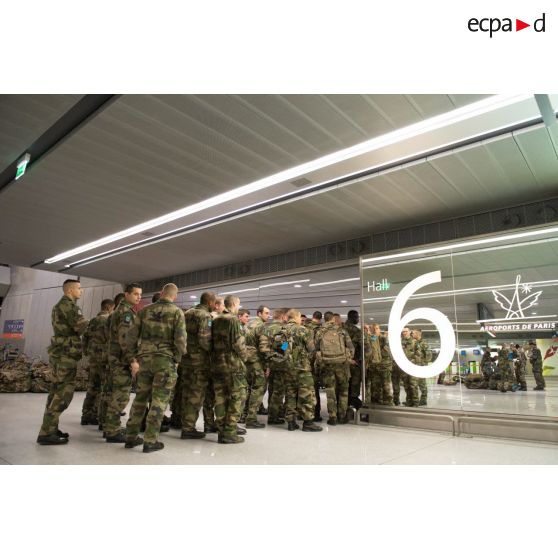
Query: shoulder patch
point(127, 318)
point(209, 322)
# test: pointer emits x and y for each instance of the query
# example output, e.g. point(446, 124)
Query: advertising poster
point(549, 351)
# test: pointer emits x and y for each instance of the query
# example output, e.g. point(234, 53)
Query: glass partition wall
point(486, 312)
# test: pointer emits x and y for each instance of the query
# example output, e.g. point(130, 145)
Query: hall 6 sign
point(397, 322)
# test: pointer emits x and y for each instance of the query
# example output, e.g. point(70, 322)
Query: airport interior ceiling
point(139, 157)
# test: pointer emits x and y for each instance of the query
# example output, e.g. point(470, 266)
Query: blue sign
point(13, 329)
point(476, 352)
point(463, 352)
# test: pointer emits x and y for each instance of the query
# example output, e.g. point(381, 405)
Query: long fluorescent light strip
point(428, 125)
point(334, 282)
point(461, 245)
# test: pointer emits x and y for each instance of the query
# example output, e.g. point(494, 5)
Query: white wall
point(31, 297)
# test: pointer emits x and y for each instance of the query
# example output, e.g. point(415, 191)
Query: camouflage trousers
point(104, 395)
point(396, 384)
point(316, 375)
point(154, 384)
point(493, 381)
point(336, 379)
point(379, 388)
point(176, 399)
point(423, 389)
point(119, 385)
point(539, 379)
point(60, 394)
point(410, 383)
point(506, 380)
point(230, 392)
point(355, 381)
point(520, 376)
point(255, 393)
point(276, 403)
point(197, 391)
point(90, 409)
point(300, 396)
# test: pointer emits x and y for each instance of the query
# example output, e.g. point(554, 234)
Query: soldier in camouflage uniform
point(256, 367)
point(95, 348)
point(276, 367)
point(64, 352)
point(536, 360)
point(299, 382)
point(425, 358)
point(487, 367)
point(505, 370)
point(384, 372)
point(244, 317)
point(520, 364)
point(410, 383)
point(158, 340)
point(373, 392)
point(313, 326)
point(196, 367)
point(356, 336)
point(228, 371)
point(105, 383)
point(335, 368)
point(122, 363)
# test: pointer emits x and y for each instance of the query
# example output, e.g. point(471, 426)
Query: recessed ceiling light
point(297, 286)
point(533, 313)
point(343, 302)
point(193, 296)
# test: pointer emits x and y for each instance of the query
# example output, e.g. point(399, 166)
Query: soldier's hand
point(267, 372)
point(354, 362)
point(134, 367)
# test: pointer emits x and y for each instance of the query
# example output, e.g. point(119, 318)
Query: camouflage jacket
point(411, 349)
point(158, 329)
point(119, 324)
point(198, 329)
point(355, 333)
point(256, 330)
point(424, 352)
point(504, 361)
point(229, 348)
point(68, 324)
point(385, 352)
point(266, 339)
point(303, 346)
point(95, 338)
point(252, 357)
point(342, 331)
point(535, 358)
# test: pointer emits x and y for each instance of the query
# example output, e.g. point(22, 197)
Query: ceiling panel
point(24, 118)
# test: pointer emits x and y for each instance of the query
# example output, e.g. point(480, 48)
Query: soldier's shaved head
point(118, 298)
point(72, 288)
point(207, 298)
point(278, 313)
point(170, 289)
point(293, 314)
point(107, 304)
point(231, 301)
point(329, 316)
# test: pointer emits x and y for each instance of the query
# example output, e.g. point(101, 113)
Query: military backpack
point(332, 349)
point(281, 356)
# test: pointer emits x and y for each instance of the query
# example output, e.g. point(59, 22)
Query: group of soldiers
point(213, 359)
point(506, 371)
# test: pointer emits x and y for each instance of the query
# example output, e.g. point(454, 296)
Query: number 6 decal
point(398, 322)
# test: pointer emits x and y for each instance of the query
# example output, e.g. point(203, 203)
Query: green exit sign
point(22, 165)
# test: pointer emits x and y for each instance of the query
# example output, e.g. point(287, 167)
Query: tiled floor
point(20, 416)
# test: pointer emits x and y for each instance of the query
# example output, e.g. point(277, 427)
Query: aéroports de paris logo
point(516, 306)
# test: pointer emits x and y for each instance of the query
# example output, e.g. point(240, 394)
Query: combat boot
point(119, 438)
point(262, 410)
point(255, 424)
point(332, 421)
point(230, 439)
point(276, 421)
point(210, 429)
point(318, 418)
point(51, 440)
point(155, 446)
point(62, 434)
point(191, 434)
point(309, 426)
point(240, 431)
point(343, 420)
point(166, 420)
point(293, 426)
point(422, 403)
point(133, 443)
